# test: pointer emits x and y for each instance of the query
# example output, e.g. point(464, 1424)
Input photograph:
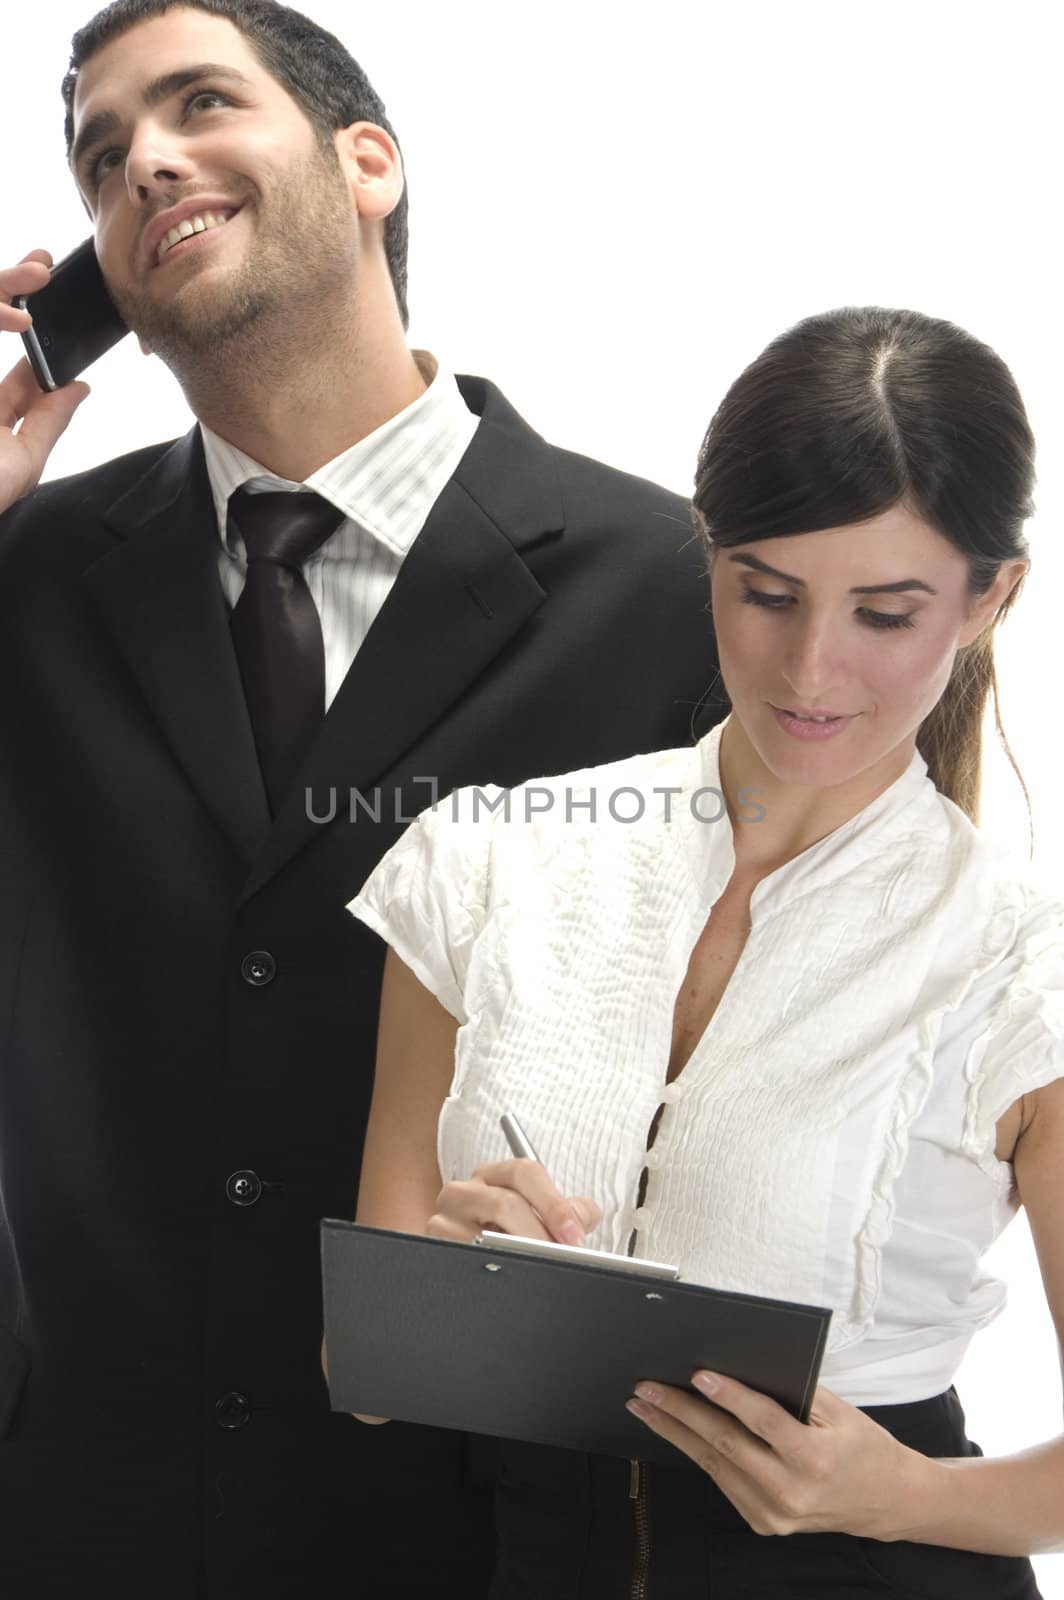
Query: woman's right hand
point(44, 417)
point(508, 1197)
point(512, 1197)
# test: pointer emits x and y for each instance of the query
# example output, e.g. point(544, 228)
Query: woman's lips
point(800, 729)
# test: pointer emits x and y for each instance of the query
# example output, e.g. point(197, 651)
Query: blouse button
point(653, 1160)
point(640, 1215)
point(670, 1094)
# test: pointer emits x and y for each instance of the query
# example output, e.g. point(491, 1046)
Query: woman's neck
point(796, 816)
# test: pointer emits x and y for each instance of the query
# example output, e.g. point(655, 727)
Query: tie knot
point(282, 527)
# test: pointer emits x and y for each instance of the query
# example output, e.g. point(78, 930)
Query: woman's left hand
point(840, 1472)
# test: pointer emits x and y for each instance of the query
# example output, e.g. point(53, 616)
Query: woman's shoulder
point(1008, 879)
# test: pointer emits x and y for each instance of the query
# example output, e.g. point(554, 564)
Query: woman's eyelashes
point(782, 602)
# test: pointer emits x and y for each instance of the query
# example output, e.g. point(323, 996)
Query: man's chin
point(195, 331)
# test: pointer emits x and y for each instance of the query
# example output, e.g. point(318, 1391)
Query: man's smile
point(191, 219)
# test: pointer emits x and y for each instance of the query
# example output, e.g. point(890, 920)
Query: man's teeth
point(198, 224)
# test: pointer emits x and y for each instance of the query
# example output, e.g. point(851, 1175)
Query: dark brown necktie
point(276, 628)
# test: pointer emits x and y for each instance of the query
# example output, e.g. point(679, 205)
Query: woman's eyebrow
point(901, 586)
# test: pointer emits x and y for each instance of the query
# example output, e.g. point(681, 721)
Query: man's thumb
point(73, 394)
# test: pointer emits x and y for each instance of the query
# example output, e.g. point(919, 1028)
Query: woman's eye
point(886, 619)
point(872, 619)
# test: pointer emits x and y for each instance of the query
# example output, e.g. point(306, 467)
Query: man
point(189, 1012)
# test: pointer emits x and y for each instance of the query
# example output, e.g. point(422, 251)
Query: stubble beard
point(296, 256)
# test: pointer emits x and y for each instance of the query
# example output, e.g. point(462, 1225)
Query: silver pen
point(521, 1146)
point(516, 1138)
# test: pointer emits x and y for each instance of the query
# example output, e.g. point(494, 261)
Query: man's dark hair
point(310, 63)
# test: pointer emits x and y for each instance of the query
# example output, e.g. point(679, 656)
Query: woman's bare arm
point(1014, 1505)
point(415, 1064)
point(401, 1187)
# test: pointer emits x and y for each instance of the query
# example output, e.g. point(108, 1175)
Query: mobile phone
point(75, 321)
point(551, 1250)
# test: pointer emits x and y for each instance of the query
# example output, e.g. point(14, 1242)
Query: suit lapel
point(463, 591)
point(159, 595)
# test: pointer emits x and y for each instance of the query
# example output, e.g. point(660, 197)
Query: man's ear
point(369, 159)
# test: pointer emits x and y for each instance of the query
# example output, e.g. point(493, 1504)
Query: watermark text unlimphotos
point(622, 804)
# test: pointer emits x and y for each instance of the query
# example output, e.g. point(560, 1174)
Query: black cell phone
point(74, 319)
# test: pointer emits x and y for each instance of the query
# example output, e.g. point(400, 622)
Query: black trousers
point(569, 1529)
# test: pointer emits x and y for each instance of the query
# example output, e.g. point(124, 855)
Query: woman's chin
point(814, 765)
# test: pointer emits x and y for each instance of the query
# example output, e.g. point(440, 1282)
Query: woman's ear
point(985, 607)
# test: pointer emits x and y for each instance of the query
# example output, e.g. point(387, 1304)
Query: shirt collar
point(909, 810)
point(387, 483)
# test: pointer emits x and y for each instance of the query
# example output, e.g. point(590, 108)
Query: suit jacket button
point(243, 1188)
point(233, 1410)
point(258, 968)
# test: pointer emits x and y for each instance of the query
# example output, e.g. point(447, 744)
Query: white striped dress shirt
point(385, 485)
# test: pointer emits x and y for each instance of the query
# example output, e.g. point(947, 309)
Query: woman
point(813, 1049)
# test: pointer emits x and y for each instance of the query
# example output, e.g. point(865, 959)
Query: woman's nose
point(811, 665)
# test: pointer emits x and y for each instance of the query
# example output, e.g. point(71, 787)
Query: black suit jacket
point(184, 998)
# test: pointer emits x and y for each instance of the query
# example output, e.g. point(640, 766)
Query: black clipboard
point(460, 1336)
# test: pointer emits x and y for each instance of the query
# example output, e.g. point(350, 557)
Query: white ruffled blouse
point(831, 1139)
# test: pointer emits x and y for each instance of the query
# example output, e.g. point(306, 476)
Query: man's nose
point(155, 161)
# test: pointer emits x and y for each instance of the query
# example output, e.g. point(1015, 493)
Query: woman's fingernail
point(707, 1382)
point(572, 1233)
point(637, 1409)
point(647, 1391)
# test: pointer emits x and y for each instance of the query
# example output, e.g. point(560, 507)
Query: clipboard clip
point(577, 1255)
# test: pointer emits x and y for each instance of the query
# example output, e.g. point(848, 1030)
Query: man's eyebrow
point(104, 123)
point(902, 586)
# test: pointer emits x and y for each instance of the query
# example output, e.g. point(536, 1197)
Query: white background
point(615, 206)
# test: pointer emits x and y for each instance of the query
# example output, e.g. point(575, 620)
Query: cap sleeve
point(1022, 1048)
point(427, 897)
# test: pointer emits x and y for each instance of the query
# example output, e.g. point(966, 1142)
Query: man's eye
point(107, 162)
point(100, 168)
point(206, 94)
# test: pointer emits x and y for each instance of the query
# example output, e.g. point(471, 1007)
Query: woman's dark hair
point(852, 412)
point(311, 64)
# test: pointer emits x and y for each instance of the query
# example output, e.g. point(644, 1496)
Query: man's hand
point(43, 416)
point(839, 1473)
point(512, 1197)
